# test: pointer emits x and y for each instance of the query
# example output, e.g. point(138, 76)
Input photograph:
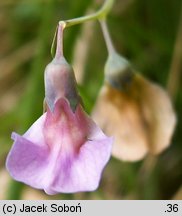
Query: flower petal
point(35, 132)
point(159, 115)
point(78, 170)
point(26, 162)
point(81, 172)
point(118, 115)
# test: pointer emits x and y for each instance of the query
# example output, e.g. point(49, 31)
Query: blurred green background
point(144, 31)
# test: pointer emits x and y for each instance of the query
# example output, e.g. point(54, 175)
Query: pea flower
point(137, 112)
point(64, 150)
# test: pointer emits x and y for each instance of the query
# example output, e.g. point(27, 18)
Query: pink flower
point(64, 150)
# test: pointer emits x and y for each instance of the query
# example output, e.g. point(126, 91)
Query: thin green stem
point(100, 14)
point(107, 37)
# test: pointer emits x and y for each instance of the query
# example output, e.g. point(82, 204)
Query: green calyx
point(118, 71)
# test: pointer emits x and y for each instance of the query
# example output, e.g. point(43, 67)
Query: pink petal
point(27, 162)
point(81, 172)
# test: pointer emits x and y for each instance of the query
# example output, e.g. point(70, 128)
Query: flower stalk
point(100, 14)
point(107, 37)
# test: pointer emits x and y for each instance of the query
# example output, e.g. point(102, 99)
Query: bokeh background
point(148, 33)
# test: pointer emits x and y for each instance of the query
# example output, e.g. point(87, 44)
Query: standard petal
point(158, 113)
point(28, 159)
point(65, 130)
point(81, 171)
point(27, 162)
point(83, 151)
point(35, 132)
point(118, 115)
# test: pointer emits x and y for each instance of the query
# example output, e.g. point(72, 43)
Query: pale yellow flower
point(140, 118)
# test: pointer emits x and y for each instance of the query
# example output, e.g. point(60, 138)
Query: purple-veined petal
point(82, 171)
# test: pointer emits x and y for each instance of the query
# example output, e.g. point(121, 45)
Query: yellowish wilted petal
point(119, 116)
point(158, 113)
